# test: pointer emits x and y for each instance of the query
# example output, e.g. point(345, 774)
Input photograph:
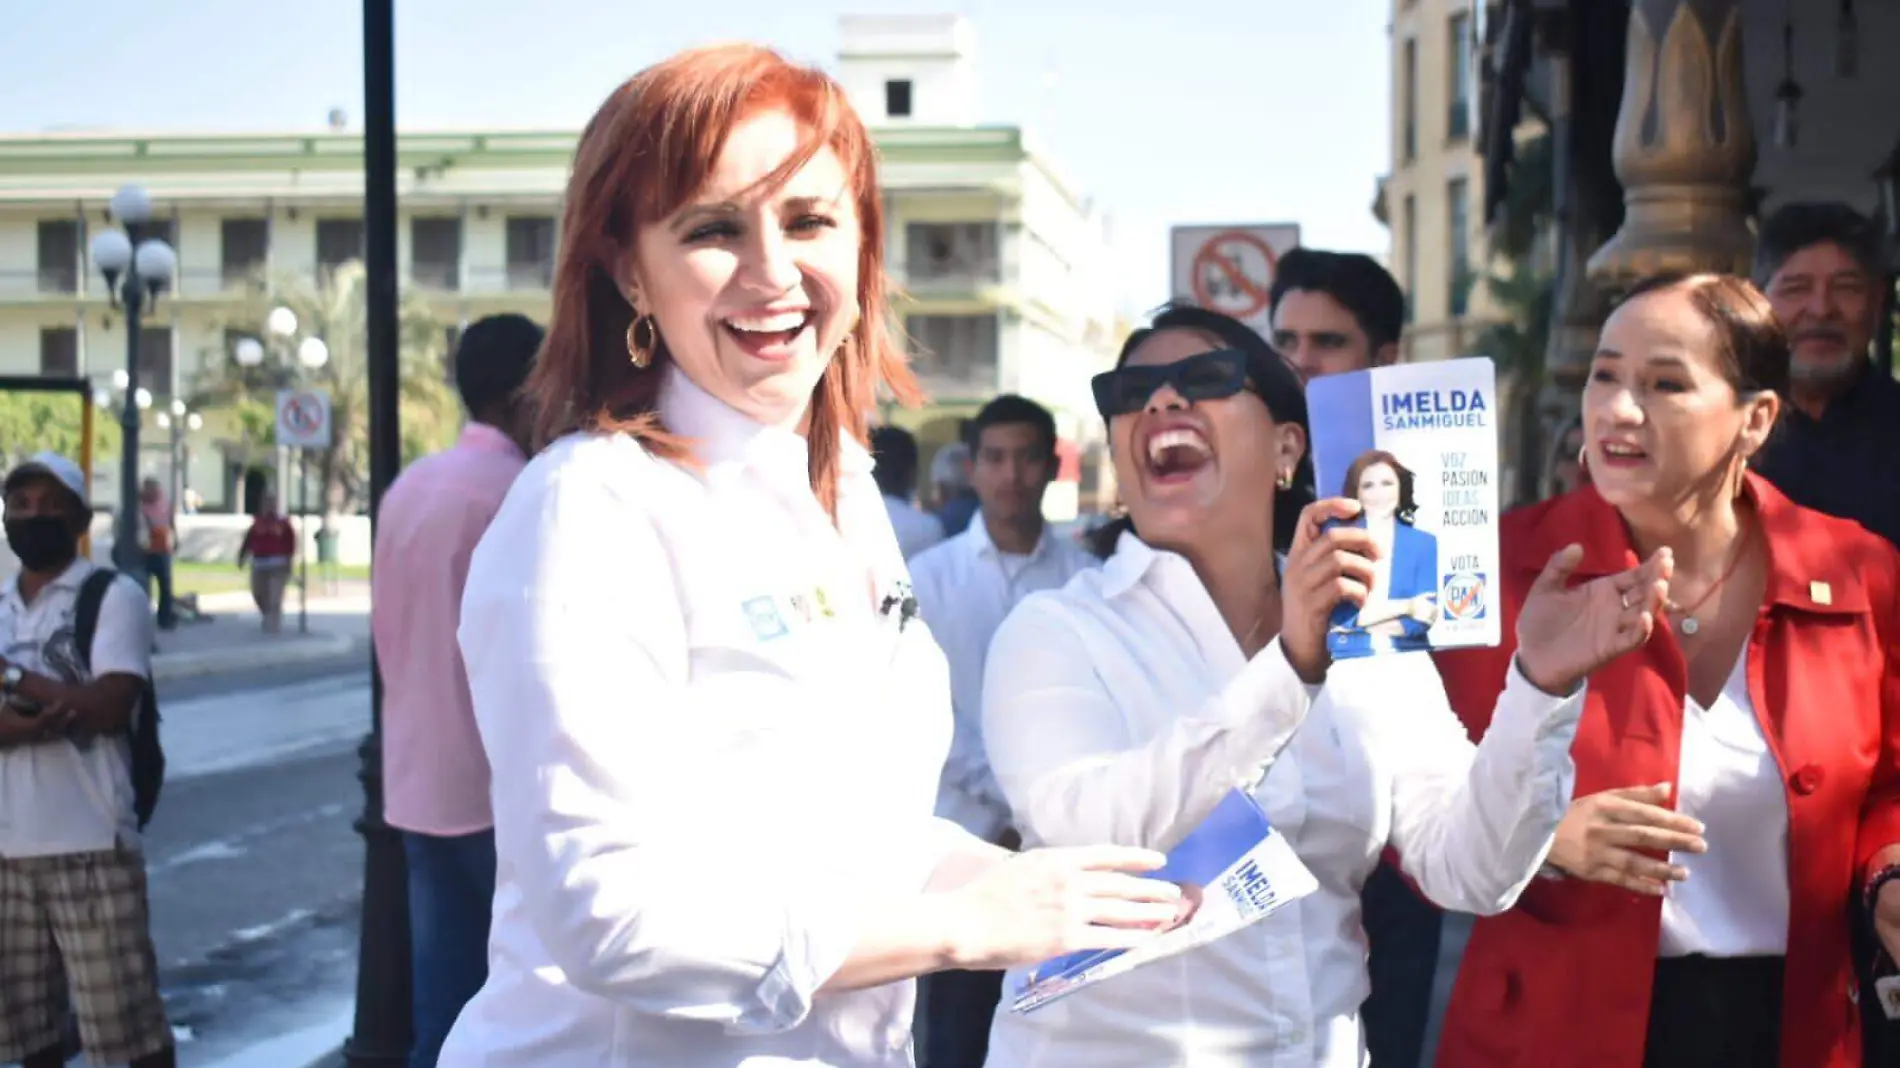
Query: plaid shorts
point(81, 918)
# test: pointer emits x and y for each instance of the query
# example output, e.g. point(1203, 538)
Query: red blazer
point(1563, 980)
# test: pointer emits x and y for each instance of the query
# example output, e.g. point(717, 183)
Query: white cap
point(948, 467)
point(59, 469)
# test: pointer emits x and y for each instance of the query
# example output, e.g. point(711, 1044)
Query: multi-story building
point(995, 254)
point(1432, 200)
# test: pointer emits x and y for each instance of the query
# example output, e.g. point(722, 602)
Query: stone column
point(1684, 148)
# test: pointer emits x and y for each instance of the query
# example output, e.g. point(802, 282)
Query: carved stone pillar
point(1684, 148)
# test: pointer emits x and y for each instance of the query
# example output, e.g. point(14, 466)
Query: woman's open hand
point(1566, 632)
point(1048, 902)
point(1612, 836)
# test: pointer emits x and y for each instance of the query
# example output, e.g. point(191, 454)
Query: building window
point(338, 242)
point(1408, 229)
point(245, 248)
point(961, 253)
point(1408, 101)
point(1457, 221)
point(59, 256)
point(435, 252)
point(59, 351)
point(155, 360)
point(897, 98)
point(1458, 120)
point(530, 253)
point(160, 229)
point(955, 356)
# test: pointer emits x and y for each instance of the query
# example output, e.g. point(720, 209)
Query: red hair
point(647, 151)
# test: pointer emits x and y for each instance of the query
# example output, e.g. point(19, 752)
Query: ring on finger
point(1626, 599)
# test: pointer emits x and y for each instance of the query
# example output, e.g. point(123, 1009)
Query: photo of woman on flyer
point(1403, 603)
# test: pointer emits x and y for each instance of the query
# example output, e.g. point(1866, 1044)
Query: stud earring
point(1285, 481)
point(642, 335)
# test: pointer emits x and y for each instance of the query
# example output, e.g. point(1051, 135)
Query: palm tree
point(333, 307)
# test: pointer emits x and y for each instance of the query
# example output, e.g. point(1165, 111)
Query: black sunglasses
point(1204, 376)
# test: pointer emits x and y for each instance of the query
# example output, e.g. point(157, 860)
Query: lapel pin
point(1821, 593)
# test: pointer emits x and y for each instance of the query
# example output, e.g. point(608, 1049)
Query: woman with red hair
point(714, 722)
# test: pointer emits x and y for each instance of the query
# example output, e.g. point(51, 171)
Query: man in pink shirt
point(435, 774)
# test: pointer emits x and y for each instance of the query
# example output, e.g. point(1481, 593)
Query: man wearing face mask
point(73, 919)
point(1838, 448)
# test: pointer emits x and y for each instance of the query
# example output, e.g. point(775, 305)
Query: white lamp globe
point(143, 398)
point(249, 352)
point(101, 398)
point(178, 407)
point(313, 353)
point(131, 204)
point(120, 379)
point(281, 321)
point(155, 262)
point(111, 251)
point(164, 421)
point(194, 421)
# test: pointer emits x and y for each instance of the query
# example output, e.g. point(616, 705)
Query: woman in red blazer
point(1738, 776)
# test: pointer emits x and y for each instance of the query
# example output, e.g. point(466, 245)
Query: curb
point(300, 650)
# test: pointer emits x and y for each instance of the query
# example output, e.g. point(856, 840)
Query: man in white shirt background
point(896, 475)
point(965, 587)
point(74, 925)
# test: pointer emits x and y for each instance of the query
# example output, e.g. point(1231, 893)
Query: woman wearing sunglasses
point(1124, 706)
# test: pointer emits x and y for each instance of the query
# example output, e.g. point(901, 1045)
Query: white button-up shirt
point(712, 744)
point(965, 588)
point(1120, 709)
point(71, 795)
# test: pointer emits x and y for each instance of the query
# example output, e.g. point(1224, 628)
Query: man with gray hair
point(950, 484)
point(1838, 450)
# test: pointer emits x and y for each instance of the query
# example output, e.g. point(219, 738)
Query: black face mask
point(42, 542)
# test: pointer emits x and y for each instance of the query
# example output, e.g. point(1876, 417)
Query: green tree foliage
point(335, 309)
point(32, 421)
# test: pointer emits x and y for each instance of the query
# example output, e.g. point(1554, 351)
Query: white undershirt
point(1735, 901)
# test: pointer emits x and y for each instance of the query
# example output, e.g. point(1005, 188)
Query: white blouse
point(1735, 901)
point(715, 736)
point(1120, 709)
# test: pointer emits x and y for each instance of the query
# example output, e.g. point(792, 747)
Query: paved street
point(255, 866)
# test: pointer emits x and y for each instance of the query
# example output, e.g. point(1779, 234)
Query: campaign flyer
point(1233, 869)
point(1417, 445)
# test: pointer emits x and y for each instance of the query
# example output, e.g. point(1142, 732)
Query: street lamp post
point(311, 354)
point(381, 1035)
point(136, 273)
point(179, 420)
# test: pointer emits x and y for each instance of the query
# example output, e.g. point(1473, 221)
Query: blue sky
point(1166, 111)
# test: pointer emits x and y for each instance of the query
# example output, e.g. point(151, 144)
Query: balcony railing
point(446, 277)
point(952, 279)
point(59, 279)
point(521, 277)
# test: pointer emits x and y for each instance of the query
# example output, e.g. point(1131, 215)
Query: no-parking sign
point(303, 419)
point(1230, 268)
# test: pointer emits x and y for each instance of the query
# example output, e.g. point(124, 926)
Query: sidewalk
point(234, 639)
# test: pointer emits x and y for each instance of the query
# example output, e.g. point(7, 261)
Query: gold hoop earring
point(639, 351)
point(1583, 457)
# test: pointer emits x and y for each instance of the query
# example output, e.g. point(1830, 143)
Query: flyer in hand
point(1233, 870)
point(1417, 445)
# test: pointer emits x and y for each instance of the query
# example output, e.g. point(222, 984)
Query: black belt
point(1718, 1012)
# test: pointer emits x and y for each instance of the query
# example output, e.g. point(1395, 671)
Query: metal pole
point(303, 553)
point(383, 1025)
point(126, 554)
point(177, 444)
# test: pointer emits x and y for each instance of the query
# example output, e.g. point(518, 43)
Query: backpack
point(148, 756)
